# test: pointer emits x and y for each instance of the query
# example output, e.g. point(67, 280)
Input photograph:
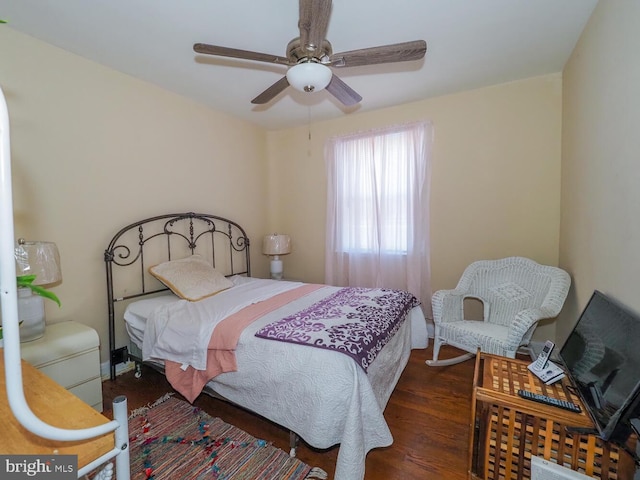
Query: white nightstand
point(69, 354)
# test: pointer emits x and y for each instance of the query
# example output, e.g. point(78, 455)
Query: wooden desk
point(55, 406)
point(506, 430)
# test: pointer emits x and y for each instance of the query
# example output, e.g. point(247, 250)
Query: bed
point(327, 393)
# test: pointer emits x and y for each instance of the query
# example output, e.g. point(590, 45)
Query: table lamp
point(42, 260)
point(274, 246)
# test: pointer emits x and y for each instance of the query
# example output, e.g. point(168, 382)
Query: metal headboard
point(148, 242)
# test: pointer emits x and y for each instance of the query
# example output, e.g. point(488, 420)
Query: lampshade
point(309, 76)
point(40, 259)
point(276, 244)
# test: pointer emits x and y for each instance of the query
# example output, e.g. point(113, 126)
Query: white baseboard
point(105, 371)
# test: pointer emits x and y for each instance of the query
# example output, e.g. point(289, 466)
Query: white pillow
point(191, 278)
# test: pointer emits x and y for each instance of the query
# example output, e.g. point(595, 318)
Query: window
point(377, 201)
point(373, 193)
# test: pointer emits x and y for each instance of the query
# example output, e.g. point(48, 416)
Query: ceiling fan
point(310, 55)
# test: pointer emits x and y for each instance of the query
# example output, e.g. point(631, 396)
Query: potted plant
point(26, 281)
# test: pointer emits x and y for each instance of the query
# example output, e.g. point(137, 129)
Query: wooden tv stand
point(507, 430)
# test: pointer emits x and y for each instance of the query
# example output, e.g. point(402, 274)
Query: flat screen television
point(602, 358)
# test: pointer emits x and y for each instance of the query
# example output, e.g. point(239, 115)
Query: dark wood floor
point(428, 415)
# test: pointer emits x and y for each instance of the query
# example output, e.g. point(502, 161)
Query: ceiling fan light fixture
point(309, 76)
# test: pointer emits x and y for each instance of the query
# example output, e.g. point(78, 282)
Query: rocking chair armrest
point(525, 320)
point(448, 305)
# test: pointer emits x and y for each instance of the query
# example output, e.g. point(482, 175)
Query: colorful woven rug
point(172, 439)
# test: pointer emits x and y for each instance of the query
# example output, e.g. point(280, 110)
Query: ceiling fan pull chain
point(309, 129)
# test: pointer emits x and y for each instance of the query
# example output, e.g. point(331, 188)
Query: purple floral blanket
point(355, 321)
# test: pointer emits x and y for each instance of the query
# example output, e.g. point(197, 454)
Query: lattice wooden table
point(507, 430)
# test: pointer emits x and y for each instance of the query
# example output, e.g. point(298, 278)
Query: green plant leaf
point(45, 293)
point(26, 281)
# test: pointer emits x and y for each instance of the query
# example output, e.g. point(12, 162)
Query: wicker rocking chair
point(516, 294)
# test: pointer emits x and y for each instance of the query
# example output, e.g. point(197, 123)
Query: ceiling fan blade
point(271, 92)
point(343, 92)
point(398, 52)
point(235, 53)
point(313, 23)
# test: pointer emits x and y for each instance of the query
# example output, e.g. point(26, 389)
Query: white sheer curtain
point(378, 209)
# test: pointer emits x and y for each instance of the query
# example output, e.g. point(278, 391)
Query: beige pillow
point(191, 278)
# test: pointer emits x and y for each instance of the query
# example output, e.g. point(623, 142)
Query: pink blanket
point(221, 356)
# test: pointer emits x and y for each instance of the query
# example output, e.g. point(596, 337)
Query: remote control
point(554, 402)
point(543, 358)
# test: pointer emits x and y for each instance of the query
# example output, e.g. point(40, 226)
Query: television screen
point(602, 357)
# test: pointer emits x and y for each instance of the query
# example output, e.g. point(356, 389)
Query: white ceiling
point(470, 43)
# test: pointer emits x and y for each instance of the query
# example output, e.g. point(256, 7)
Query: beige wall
point(495, 178)
point(600, 234)
point(93, 150)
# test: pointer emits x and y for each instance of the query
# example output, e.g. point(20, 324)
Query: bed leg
point(293, 443)
point(138, 373)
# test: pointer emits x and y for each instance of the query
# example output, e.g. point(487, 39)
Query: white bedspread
point(180, 331)
point(321, 395)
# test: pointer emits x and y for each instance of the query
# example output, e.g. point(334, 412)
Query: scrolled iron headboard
point(148, 242)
